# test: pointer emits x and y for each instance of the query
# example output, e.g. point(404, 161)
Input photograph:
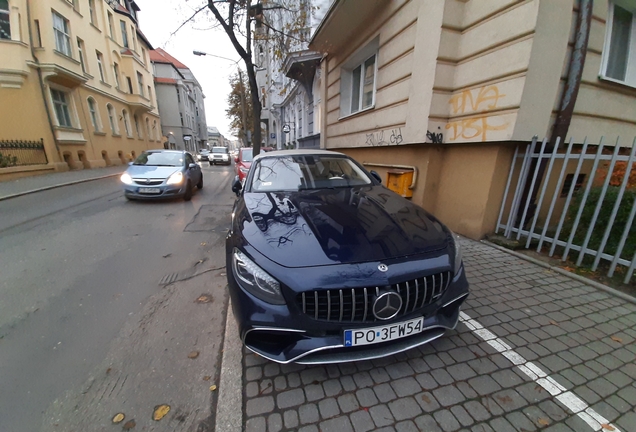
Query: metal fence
point(585, 202)
point(19, 153)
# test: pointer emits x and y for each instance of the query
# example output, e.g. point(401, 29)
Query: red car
point(244, 160)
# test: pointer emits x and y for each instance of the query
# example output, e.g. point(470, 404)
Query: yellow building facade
point(75, 84)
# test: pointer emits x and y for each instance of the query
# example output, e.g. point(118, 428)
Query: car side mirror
point(237, 186)
point(376, 176)
point(192, 165)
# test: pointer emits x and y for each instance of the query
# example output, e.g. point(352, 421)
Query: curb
point(229, 406)
point(559, 270)
point(19, 194)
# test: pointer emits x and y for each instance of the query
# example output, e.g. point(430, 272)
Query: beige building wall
point(37, 67)
point(486, 75)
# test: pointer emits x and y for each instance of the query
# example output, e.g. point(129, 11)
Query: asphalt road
point(99, 311)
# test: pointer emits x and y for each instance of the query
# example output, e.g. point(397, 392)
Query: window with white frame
point(148, 131)
point(358, 80)
point(124, 33)
point(62, 34)
point(100, 65)
point(126, 123)
point(116, 72)
point(91, 12)
point(5, 22)
point(111, 26)
point(62, 108)
point(138, 127)
point(112, 119)
point(619, 52)
point(92, 109)
point(140, 83)
point(157, 131)
point(80, 51)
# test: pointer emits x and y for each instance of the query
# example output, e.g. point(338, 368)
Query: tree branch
point(187, 21)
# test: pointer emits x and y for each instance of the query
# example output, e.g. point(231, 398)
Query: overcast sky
point(159, 18)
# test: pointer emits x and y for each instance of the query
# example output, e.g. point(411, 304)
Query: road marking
point(535, 373)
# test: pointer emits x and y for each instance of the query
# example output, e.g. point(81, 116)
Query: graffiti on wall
point(377, 139)
point(479, 100)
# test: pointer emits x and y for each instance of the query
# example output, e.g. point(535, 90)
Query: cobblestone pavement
point(582, 338)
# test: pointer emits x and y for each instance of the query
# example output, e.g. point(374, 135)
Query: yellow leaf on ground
point(554, 323)
point(617, 339)
point(118, 418)
point(160, 412)
point(193, 354)
point(212, 387)
point(608, 427)
point(129, 425)
point(207, 378)
point(543, 422)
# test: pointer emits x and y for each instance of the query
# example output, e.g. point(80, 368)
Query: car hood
point(336, 226)
point(143, 171)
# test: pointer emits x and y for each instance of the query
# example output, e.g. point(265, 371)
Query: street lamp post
point(202, 53)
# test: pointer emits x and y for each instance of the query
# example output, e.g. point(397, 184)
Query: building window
point(62, 34)
point(112, 119)
point(116, 72)
point(92, 109)
point(91, 11)
point(130, 89)
point(150, 94)
point(100, 65)
point(181, 115)
point(157, 132)
point(143, 55)
point(140, 82)
point(5, 24)
point(111, 26)
point(124, 33)
point(619, 52)
point(148, 131)
point(126, 123)
point(178, 96)
point(61, 106)
point(137, 127)
point(80, 51)
point(358, 77)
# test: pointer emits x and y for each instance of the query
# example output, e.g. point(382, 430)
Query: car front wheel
point(187, 196)
point(200, 184)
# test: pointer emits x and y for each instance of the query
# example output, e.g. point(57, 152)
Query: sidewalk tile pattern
point(581, 337)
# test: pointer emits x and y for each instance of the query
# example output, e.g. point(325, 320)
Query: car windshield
point(306, 172)
point(246, 155)
point(160, 159)
point(219, 150)
point(204, 151)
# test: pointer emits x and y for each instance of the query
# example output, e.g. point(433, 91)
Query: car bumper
point(165, 191)
point(282, 333)
point(220, 161)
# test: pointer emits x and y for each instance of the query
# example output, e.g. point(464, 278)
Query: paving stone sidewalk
point(581, 337)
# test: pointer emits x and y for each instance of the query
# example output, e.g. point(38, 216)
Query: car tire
point(187, 196)
point(200, 184)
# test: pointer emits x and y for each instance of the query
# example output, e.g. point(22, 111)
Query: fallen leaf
point(193, 354)
point(207, 378)
point(538, 388)
point(203, 243)
point(543, 422)
point(118, 418)
point(129, 425)
point(504, 399)
point(204, 298)
point(160, 412)
point(608, 427)
point(212, 387)
point(554, 323)
point(617, 339)
point(108, 370)
point(426, 399)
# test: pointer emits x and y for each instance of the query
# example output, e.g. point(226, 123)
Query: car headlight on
point(176, 178)
point(126, 179)
point(458, 253)
point(255, 280)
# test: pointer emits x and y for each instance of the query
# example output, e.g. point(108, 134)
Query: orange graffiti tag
point(472, 128)
point(486, 99)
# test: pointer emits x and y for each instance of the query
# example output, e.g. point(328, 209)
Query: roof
point(161, 56)
point(165, 80)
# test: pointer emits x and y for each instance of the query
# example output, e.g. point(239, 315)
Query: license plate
point(149, 190)
point(372, 335)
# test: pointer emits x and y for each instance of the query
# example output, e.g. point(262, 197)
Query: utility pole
point(243, 107)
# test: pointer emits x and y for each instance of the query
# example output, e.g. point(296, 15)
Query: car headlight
point(176, 178)
point(255, 280)
point(458, 253)
point(126, 179)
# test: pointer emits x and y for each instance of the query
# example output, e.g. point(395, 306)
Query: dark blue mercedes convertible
point(326, 265)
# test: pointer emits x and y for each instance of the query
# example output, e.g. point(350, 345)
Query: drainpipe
point(41, 80)
point(568, 99)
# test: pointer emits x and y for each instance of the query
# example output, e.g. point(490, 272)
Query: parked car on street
point(203, 155)
point(162, 174)
point(242, 162)
point(220, 155)
point(326, 265)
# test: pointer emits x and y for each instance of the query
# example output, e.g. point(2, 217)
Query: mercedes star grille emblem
point(383, 267)
point(387, 305)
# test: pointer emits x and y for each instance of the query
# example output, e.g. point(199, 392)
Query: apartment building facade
point(181, 103)
point(75, 77)
point(447, 89)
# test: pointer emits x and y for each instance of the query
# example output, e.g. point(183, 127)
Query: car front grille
point(356, 304)
point(151, 182)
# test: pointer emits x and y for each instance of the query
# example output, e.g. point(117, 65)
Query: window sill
point(99, 133)
point(344, 117)
point(116, 135)
point(130, 137)
point(61, 54)
point(95, 27)
point(615, 81)
point(16, 42)
point(105, 83)
point(68, 129)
